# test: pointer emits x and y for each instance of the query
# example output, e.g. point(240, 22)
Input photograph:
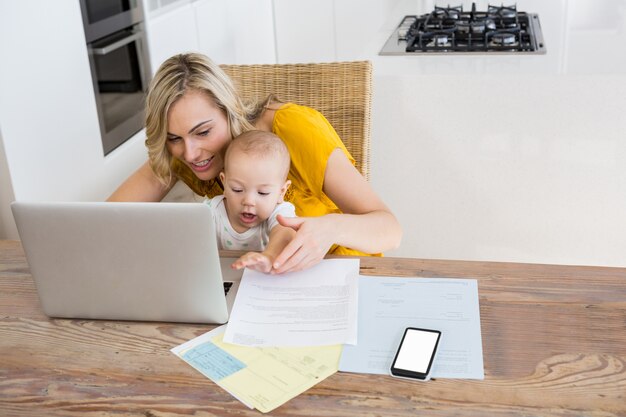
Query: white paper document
point(388, 305)
point(314, 307)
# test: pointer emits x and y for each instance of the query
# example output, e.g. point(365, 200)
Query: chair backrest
point(341, 91)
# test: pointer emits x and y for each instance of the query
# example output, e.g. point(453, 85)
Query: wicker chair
point(341, 91)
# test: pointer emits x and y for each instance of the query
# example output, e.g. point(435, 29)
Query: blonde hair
point(260, 144)
point(176, 76)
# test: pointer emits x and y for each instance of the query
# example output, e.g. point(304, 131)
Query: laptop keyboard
point(227, 286)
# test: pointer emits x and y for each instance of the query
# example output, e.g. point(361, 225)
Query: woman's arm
point(142, 185)
point(366, 225)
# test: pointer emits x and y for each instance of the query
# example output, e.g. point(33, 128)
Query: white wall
point(48, 116)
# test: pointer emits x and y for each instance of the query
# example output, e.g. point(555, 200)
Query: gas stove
point(499, 29)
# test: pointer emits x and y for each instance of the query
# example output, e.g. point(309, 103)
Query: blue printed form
point(212, 361)
point(209, 359)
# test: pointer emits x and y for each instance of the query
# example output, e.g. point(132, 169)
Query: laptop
point(127, 261)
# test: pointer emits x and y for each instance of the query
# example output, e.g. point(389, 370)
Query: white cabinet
point(336, 30)
point(214, 30)
point(305, 31)
point(236, 31)
point(228, 31)
point(171, 32)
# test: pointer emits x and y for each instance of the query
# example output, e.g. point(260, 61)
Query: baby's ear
point(283, 190)
point(222, 176)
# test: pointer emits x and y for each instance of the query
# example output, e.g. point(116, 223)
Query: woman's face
point(198, 134)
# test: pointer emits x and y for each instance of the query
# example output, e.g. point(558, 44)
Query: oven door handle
point(115, 45)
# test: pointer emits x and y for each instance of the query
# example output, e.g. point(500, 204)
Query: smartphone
point(416, 354)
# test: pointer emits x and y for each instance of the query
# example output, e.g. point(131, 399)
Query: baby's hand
point(254, 260)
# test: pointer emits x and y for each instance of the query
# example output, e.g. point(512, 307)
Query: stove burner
point(507, 12)
point(504, 39)
point(447, 12)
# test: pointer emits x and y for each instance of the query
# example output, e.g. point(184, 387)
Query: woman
point(192, 113)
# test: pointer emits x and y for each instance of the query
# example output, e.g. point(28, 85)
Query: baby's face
point(253, 186)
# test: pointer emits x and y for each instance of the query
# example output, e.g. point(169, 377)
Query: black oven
point(103, 17)
point(118, 57)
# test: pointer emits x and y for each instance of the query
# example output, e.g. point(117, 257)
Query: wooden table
point(554, 344)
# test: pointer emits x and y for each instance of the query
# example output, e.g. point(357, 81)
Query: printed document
point(261, 378)
point(388, 305)
point(314, 307)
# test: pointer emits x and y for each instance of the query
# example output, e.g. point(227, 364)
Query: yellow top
point(310, 139)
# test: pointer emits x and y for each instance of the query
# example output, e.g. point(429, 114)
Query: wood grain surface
point(554, 344)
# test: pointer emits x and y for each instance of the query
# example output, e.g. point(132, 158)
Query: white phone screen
point(416, 351)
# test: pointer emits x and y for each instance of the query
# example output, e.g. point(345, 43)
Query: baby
point(256, 164)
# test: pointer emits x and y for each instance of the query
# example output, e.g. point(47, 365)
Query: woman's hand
point(314, 237)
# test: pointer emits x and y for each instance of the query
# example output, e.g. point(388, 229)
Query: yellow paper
point(273, 376)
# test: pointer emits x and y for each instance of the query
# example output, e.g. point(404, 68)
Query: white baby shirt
point(253, 239)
